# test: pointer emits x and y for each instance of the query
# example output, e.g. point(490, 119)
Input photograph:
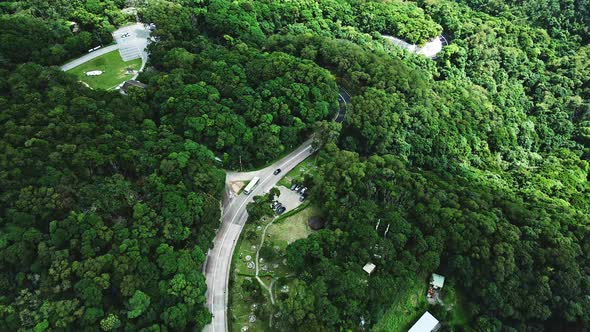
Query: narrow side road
point(87, 57)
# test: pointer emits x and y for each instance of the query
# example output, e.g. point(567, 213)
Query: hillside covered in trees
point(478, 160)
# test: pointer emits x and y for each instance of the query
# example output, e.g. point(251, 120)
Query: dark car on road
point(277, 171)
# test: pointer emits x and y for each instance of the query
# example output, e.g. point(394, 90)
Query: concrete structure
point(369, 268)
point(132, 83)
point(429, 50)
point(426, 323)
point(94, 73)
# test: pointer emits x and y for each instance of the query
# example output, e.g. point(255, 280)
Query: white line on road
point(227, 232)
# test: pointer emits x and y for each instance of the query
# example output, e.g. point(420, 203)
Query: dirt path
point(269, 289)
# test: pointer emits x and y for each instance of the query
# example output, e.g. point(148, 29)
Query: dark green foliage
point(476, 162)
point(105, 216)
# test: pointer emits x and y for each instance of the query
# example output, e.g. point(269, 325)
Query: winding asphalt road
point(234, 217)
point(218, 263)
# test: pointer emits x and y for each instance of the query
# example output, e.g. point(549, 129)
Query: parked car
point(278, 207)
point(293, 186)
point(277, 171)
point(302, 192)
point(281, 210)
point(274, 204)
point(301, 198)
point(298, 187)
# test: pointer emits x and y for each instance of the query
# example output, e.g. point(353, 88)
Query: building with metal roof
point(369, 268)
point(437, 281)
point(426, 323)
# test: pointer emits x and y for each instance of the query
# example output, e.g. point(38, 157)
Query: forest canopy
point(477, 160)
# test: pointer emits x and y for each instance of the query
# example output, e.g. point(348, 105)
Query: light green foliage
point(138, 304)
point(110, 323)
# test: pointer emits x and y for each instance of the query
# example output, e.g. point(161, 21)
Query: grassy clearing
point(402, 314)
point(292, 228)
point(309, 165)
point(283, 231)
point(241, 301)
point(113, 67)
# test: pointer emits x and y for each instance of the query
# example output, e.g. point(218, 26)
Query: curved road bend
point(218, 263)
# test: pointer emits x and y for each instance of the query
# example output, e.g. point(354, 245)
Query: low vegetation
point(114, 71)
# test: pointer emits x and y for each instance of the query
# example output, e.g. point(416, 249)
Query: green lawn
point(284, 230)
point(306, 166)
point(402, 314)
point(113, 67)
point(292, 228)
point(241, 303)
point(405, 312)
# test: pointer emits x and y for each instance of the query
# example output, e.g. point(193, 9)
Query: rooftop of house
point(426, 323)
point(369, 267)
point(437, 281)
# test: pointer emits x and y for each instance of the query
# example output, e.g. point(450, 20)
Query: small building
point(132, 83)
point(436, 284)
point(369, 268)
point(437, 281)
point(426, 323)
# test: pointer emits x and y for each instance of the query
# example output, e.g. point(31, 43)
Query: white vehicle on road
point(251, 185)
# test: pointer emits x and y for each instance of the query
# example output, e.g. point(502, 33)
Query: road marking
point(227, 231)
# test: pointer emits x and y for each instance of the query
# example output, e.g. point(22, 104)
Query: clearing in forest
point(114, 70)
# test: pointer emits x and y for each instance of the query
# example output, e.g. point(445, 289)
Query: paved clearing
point(289, 199)
point(129, 48)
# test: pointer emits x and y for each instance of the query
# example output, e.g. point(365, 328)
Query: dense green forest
point(478, 160)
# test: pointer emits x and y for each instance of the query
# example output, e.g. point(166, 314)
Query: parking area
point(132, 41)
point(289, 199)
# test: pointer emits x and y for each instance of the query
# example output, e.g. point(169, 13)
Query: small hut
point(369, 268)
point(315, 223)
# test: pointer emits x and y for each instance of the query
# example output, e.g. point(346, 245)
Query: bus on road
point(251, 185)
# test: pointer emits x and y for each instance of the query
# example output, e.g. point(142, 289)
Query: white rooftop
point(426, 323)
point(369, 267)
point(94, 73)
point(438, 281)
